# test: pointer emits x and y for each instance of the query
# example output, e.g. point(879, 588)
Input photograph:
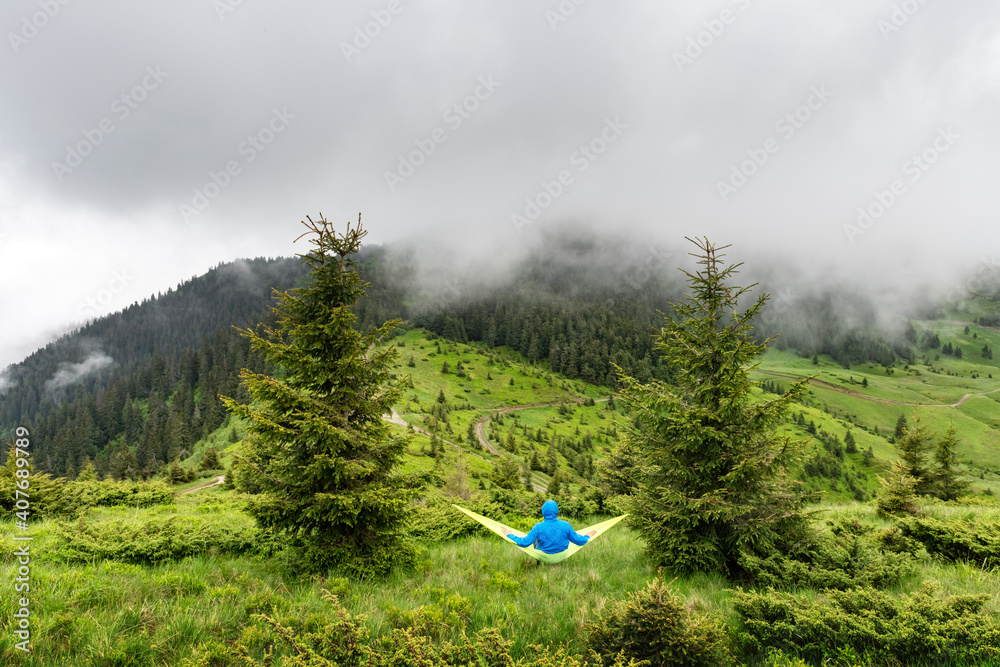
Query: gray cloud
point(176, 101)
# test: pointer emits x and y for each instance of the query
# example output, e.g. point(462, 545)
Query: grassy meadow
point(106, 612)
point(170, 583)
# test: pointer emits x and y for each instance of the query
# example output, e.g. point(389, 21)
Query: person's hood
point(550, 510)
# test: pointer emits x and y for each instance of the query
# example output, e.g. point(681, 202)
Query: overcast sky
point(142, 143)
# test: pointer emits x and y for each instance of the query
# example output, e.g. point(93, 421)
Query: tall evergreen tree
point(617, 469)
point(948, 484)
point(506, 474)
point(317, 447)
point(210, 460)
point(850, 444)
point(900, 427)
point(913, 448)
point(897, 493)
point(555, 485)
point(711, 480)
point(551, 459)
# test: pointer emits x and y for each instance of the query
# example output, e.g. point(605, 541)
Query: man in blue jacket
point(551, 535)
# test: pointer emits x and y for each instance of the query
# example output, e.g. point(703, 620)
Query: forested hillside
point(133, 390)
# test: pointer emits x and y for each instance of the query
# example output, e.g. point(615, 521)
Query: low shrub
point(79, 496)
point(917, 629)
point(54, 497)
point(653, 624)
point(152, 541)
point(855, 555)
point(576, 507)
point(957, 539)
point(335, 638)
point(432, 620)
point(435, 520)
point(894, 540)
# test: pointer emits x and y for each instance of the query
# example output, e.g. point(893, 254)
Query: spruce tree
point(506, 474)
point(897, 493)
point(316, 446)
point(176, 473)
point(900, 427)
point(555, 485)
point(551, 459)
point(947, 482)
point(850, 445)
point(710, 480)
point(913, 448)
point(210, 460)
point(617, 469)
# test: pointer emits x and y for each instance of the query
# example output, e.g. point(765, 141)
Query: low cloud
point(72, 373)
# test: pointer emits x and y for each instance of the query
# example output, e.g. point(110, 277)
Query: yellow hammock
point(502, 530)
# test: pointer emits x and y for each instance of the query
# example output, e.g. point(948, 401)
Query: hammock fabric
point(502, 530)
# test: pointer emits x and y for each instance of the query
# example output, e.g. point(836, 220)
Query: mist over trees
point(141, 385)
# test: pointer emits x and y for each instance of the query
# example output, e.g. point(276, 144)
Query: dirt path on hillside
point(481, 424)
point(876, 399)
point(394, 418)
point(537, 481)
point(961, 323)
point(217, 481)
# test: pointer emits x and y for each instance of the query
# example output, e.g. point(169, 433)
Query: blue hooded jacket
point(551, 535)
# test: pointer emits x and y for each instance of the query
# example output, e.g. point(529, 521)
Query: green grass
point(87, 614)
point(531, 384)
point(933, 384)
point(91, 614)
point(529, 602)
point(101, 607)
